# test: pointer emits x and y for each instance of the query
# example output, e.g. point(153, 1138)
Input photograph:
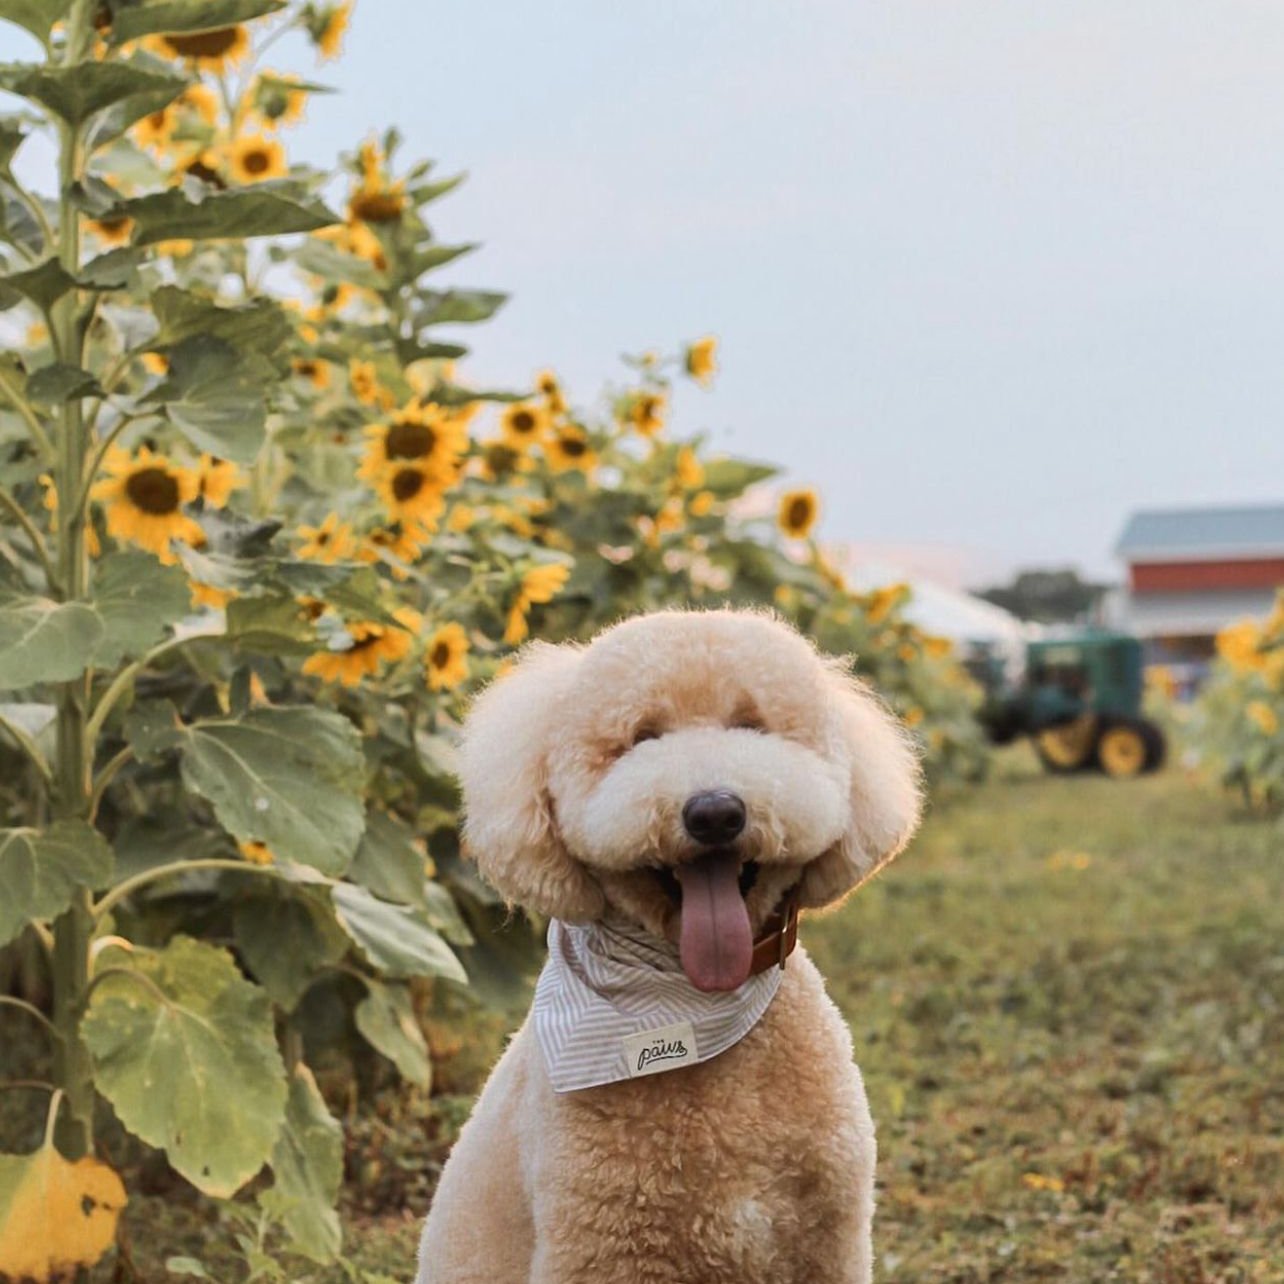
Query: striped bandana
point(613, 1003)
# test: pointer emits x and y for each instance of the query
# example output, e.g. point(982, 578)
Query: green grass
point(1067, 1000)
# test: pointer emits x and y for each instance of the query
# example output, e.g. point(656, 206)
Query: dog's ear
point(510, 829)
point(886, 799)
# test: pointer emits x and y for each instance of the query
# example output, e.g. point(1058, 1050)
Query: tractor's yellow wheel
point(1069, 745)
point(1122, 752)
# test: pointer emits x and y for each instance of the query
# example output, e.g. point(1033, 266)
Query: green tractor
point(1079, 700)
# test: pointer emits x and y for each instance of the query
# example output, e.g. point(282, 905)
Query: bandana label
point(654, 1051)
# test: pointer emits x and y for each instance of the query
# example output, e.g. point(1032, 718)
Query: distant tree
point(1047, 596)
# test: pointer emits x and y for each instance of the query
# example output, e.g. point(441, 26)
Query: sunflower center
point(573, 447)
point(440, 656)
point(153, 490)
point(798, 513)
point(407, 483)
point(500, 459)
point(256, 161)
point(409, 441)
point(204, 44)
point(375, 206)
point(522, 422)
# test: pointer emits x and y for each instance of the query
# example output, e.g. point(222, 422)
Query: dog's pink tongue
point(716, 944)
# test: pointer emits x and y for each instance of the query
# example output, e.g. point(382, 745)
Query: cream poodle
point(681, 1106)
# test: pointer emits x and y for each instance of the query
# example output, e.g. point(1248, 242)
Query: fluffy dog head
point(686, 769)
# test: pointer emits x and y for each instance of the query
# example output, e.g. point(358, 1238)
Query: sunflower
point(209, 595)
point(880, 603)
point(498, 461)
point(257, 853)
point(688, 471)
point(446, 658)
point(462, 518)
point(420, 433)
point(358, 239)
point(701, 361)
point(523, 423)
point(1262, 716)
point(412, 493)
point(396, 545)
point(92, 545)
point(330, 542)
point(207, 167)
point(202, 100)
point(144, 496)
point(1239, 645)
point(277, 101)
point(549, 388)
point(329, 34)
point(371, 644)
point(569, 448)
point(175, 249)
point(156, 363)
point(798, 512)
point(205, 50)
point(314, 370)
point(539, 584)
point(364, 381)
point(113, 230)
point(377, 202)
point(255, 157)
point(217, 479)
point(157, 128)
point(702, 503)
point(646, 412)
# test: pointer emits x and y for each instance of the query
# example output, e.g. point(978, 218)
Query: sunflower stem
point(120, 684)
point(71, 793)
point(28, 746)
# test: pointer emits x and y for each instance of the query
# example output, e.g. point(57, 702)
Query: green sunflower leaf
point(286, 939)
point(395, 938)
point(37, 16)
point(53, 384)
point(43, 284)
point(727, 478)
point(386, 1020)
point(388, 862)
point(212, 397)
point(435, 256)
point(187, 1056)
point(41, 870)
point(270, 625)
point(79, 91)
point(260, 326)
point(307, 1163)
point(115, 270)
point(333, 264)
point(45, 641)
point(173, 17)
point(274, 208)
point(439, 307)
point(137, 598)
point(288, 777)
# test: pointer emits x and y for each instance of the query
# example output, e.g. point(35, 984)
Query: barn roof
point(1164, 534)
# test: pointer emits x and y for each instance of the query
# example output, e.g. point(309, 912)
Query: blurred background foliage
point(232, 691)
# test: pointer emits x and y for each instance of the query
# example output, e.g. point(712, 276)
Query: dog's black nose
point(715, 818)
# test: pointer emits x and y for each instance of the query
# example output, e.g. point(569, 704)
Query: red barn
point(1192, 571)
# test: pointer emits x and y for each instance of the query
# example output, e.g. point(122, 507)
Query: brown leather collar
point(779, 936)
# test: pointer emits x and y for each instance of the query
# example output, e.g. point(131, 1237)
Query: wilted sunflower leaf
point(76, 92)
point(386, 1019)
point(189, 1062)
point(274, 208)
point(395, 938)
point(45, 641)
point(291, 778)
point(137, 598)
point(56, 1216)
point(41, 871)
point(176, 16)
point(307, 1163)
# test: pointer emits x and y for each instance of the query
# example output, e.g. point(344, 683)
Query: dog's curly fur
point(754, 1166)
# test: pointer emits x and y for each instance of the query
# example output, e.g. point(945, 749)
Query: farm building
point(1193, 570)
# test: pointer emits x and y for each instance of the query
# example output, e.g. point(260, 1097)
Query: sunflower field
point(260, 537)
point(1237, 722)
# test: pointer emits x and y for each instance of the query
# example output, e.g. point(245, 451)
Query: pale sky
point(989, 273)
